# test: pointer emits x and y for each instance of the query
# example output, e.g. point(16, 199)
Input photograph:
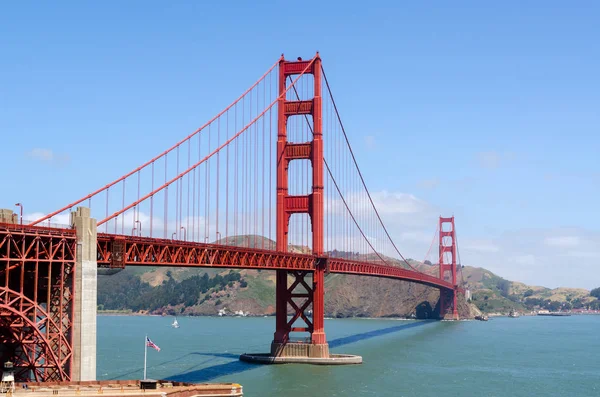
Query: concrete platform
point(126, 388)
point(333, 359)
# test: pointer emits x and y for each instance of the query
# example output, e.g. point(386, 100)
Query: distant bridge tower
point(311, 204)
point(448, 306)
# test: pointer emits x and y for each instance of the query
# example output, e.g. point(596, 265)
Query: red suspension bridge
point(275, 165)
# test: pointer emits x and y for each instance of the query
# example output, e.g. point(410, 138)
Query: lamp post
point(184, 233)
point(140, 228)
point(20, 211)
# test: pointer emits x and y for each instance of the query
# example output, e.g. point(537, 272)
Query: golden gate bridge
point(274, 165)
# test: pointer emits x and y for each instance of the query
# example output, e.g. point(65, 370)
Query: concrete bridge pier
point(83, 365)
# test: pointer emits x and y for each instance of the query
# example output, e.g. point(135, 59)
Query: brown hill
point(346, 296)
point(253, 291)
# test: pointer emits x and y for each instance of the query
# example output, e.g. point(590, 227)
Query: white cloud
point(562, 241)
point(41, 154)
point(560, 258)
point(48, 156)
point(527, 260)
point(595, 255)
point(410, 221)
point(428, 183)
point(399, 203)
point(370, 142)
point(492, 159)
point(478, 245)
point(57, 220)
point(488, 159)
point(417, 236)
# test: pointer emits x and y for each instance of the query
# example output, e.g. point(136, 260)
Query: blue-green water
point(526, 356)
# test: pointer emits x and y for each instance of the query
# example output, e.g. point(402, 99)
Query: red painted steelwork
point(311, 204)
point(116, 251)
point(37, 267)
point(448, 246)
point(371, 269)
point(299, 296)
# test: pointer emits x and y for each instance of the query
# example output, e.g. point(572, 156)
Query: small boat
point(513, 313)
point(175, 323)
point(483, 317)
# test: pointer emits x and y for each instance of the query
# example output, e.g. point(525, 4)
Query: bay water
point(526, 356)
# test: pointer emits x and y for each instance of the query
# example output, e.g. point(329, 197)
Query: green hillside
point(492, 293)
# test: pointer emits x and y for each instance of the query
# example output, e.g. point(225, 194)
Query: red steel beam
point(372, 269)
point(144, 251)
point(294, 108)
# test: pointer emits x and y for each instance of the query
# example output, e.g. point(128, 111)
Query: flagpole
point(145, 354)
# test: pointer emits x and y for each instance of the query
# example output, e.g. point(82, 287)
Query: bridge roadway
point(117, 251)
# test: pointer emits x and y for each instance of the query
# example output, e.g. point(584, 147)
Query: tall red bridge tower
point(300, 295)
point(448, 305)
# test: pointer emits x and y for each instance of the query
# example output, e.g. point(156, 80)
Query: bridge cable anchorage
point(360, 174)
point(158, 157)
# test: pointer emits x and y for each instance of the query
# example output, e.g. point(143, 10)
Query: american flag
point(151, 344)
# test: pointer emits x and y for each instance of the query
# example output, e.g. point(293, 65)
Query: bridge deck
point(117, 251)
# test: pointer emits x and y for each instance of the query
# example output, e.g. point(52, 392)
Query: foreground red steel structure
point(37, 263)
point(36, 301)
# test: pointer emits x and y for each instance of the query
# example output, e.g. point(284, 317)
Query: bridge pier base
point(292, 349)
point(300, 296)
point(303, 294)
point(448, 306)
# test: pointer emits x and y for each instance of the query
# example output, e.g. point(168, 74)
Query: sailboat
point(175, 323)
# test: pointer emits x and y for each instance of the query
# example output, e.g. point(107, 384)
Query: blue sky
point(487, 111)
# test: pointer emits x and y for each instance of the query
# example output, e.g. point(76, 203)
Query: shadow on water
point(372, 334)
point(216, 371)
point(222, 355)
point(214, 355)
point(233, 367)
